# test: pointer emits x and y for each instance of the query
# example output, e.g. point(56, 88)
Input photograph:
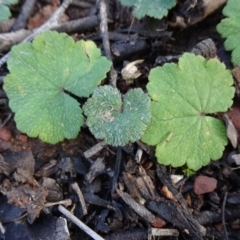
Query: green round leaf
point(115, 120)
point(4, 13)
point(157, 8)
point(183, 97)
point(42, 74)
point(230, 28)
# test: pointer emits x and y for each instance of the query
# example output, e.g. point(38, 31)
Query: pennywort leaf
point(44, 75)
point(229, 28)
point(184, 97)
point(116, 119)
point(156, 9)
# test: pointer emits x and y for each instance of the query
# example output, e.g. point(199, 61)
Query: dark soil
point(114, 192)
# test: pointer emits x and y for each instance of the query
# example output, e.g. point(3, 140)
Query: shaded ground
point(120, 193)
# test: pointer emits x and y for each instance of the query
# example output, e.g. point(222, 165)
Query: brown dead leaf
point(232, 133)
point(23, 191)
point(22, 159)
point(24, 196)
point(234, 116)
point(43, 15)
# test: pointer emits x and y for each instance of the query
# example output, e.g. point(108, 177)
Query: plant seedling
point(44, 75)
point(118, 121)
point(184, 97)
point(229, 28)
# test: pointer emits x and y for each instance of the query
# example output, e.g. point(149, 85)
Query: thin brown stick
point(7, 40)
point(105, 39)
point(95, 149)
point(78, 191)
point(66, 202)
point(79, 223)
point(47, 25)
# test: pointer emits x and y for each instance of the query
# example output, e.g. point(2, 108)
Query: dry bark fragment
point(138, 208)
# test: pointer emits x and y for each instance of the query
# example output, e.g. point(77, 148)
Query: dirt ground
point(118, 192)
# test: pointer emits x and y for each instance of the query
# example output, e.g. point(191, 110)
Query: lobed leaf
point(229, 28)
point(183, 96)
point(157, 8)
point(117, 121)
point(43, 77)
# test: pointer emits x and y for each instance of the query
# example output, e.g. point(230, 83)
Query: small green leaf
point(157, 8)
point(115, 120)
point(188, 172)
point(42, 74)
point(4, 10)
point(230, 28)
point(4, 13)
point(183, 97)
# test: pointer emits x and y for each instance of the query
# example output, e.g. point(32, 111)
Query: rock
point(23, 138)
point(5, 133)
point(204, 184)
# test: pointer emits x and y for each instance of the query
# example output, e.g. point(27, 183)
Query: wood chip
point(138, 208)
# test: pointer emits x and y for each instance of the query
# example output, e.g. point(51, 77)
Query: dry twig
point(25, 14)
point(79, 223)
point(7, 40)
point(105, 39)
point(78, 191)
point(95, 149)
point(52, 22)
